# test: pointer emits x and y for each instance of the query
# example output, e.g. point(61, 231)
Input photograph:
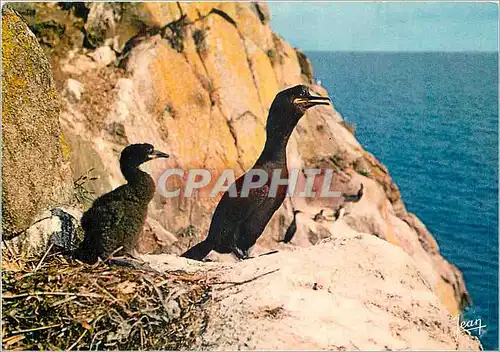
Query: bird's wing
point(231, 211)
point(244, 206)
point(98, 223)
point(101, 218)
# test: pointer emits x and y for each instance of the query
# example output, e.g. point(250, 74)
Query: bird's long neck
point(139, 180)
point(276, 142)
point(131, 173)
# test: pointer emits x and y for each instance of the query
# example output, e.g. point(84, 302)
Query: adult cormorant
point(116, 218)
point(239, 221)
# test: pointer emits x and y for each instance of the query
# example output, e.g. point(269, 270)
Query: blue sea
point(432, 119)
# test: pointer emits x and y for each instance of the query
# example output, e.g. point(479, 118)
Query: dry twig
point(99, 307)
point(245, 281)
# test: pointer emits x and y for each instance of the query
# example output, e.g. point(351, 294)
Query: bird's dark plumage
point(356, 197)
point(339, 212)
point(319, 216)
point(239, 221)
point(290, 232)
point(116, 218)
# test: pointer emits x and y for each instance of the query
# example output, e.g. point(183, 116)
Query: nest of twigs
point(64, 304)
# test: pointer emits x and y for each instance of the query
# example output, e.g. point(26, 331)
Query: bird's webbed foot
point(241, 254)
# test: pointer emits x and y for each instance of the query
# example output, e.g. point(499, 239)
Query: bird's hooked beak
point(310, 101)
point(157, 154)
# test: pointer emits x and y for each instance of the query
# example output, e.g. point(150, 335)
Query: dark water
point(432, 118)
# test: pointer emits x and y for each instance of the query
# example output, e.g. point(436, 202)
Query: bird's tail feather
point(199, 251)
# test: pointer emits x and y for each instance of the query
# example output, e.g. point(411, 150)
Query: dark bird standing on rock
point(319, 216)
point(356, 197)
point(239, 221)
point(290, 232)
point(116, 218)
point(339, 212)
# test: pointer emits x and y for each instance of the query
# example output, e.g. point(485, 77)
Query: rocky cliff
point(35, 172)
point(196, 80)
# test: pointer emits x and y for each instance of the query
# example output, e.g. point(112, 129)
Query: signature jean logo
point(473, 326)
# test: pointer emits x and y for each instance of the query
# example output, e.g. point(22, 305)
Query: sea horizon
point(402, 51)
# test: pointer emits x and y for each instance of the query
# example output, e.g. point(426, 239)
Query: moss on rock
point(34, 174)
